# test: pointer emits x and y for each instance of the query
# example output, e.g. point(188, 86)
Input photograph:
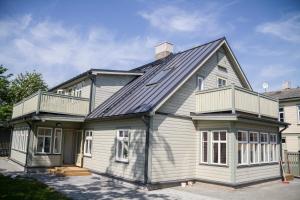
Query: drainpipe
point(91, 104)
point(146, 120)
point(28, 142)
point(280, 139)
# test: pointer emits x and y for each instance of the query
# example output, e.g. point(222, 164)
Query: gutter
point(280, 148)
point(146, 120)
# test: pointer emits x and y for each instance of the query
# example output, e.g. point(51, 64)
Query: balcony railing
point(51, 103)
point(233, 98)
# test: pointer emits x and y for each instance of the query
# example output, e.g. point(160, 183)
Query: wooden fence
point(292, 163)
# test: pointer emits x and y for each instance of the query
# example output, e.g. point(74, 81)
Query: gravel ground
point(100, 187)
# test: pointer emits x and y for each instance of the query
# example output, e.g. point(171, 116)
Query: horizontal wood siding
point(291, 116)
point(104, 144)
point(18, 156)
point(107, 85)
point(45, 160)
point(292, 143)
point(257, 173)
point(173, 149)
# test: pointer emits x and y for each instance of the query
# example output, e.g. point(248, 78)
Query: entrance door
point(69, 141)
point(79, 149)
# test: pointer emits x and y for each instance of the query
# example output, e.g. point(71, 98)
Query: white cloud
point(287, 29)
point(174, 19)
point(59, 51)
point(272, 72)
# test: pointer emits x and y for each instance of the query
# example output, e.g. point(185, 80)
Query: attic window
point(221, 68)
point(158, 77)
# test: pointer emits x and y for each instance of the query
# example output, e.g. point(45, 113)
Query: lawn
point(25, 188)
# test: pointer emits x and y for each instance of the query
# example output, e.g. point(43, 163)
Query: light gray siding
point(18, 156)
point(248, 174)
point(16, 153)
point(173, 149)
point(45, 160)
point(184, 100)
point(107, 85)
point(104, 145)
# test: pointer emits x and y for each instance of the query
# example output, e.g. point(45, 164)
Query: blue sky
point(63, 38)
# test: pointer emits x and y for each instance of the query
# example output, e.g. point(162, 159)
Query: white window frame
point(54, 141)
point(281, 112)
point(256, 156)
point(78, 90)
point(266, 147)
point(244, 143)
point(273, 148)
point(200, 87)
point(122, 139)
point(37, 136)
point(202, 146)
point(223, 79)
point(88, 143)
point(212, 141)
point(298, 106)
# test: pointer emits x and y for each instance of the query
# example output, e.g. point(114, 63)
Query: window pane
point(239, 153)
point(40, 144)
point(120, 133)
point(90, 146)
point(57, 141)
point(216, 135)
point(223, 136)
point(204, 136)
point(204, 152)
point(223, 153)
point(119, 149)
point(125, 150)
point(47, 145)
point(215, 152)
point(244, 153)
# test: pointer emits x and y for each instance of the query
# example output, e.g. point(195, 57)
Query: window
point(78, 90)
point(44, 137)
point(57, 140)
point(219, 147)
point(281, 114)
point(157, 78)
point(204, 146)
point(60, 91)
point(264, 147)
point(88, 143)
point(221, 82)
point(242, 147)
point(20, 139)
point(273, 148)
point(254, 152)
point(200, 85)
point(221, 68)
point(298, 113)
point(122, 149)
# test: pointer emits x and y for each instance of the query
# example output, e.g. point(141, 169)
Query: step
point(289, 177)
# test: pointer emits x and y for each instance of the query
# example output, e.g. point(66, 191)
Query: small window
point(88, 143)
point(200, 85)
point(281, 114)
point(273, 148)
point(44, 139)
point(204, 146)
point(122, 149)
point(221, 82)
point(242, 147)
point(283, 140)
point(264, 147)
point(219, 143)
point(254, 151)
point(57, 140)
point(221, 68)
point(60, 91)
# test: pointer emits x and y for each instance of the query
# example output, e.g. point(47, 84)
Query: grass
point(27, 189)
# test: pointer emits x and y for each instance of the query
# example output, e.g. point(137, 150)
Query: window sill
point(258, 164)
point(87, 155)
point(214, 165)
point(47, 154)
point(122, 161)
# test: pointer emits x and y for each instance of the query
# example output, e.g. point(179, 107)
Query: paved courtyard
point(100, 187)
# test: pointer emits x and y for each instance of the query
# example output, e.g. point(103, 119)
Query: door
point(69, 141)
point(79, 149)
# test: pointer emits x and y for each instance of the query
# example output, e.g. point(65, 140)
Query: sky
point(61, 39)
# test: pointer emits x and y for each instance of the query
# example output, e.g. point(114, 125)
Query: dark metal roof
point(140, 97)
point(285, 93)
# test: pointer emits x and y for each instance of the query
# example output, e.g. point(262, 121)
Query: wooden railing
point(233, 98)
point(51, 103)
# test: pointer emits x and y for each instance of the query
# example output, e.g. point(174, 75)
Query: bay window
point(264, 147)
point(273, 148)
point(57, 140)
point(204, 146)
point(242, 147)
point(44, 140)
point(219, 141)
point(88, 143)
point(254, 148)
point(122, 148)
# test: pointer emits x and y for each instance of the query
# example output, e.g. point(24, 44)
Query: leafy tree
point(5, 103)
point(26, 84)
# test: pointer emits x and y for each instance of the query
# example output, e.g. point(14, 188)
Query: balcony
point(233, 99)
point(51, 103)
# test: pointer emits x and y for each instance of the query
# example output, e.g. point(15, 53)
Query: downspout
point(91, 104)
point(280, 139)
point(28, 142)
point(146, 120)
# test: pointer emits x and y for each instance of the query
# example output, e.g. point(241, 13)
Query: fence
point(292, 163)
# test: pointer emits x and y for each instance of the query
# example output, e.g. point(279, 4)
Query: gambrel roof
point(160, 80)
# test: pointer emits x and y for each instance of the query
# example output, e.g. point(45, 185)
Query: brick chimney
point(162, 50)
point(286, 85)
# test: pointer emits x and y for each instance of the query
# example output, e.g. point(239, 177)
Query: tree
point(5, 103)
point(25, 85)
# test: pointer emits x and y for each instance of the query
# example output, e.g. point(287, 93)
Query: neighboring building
point(190, 115)
point(289, 111)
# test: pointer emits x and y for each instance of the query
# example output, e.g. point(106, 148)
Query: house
point(289, 111)
point(190, 115)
